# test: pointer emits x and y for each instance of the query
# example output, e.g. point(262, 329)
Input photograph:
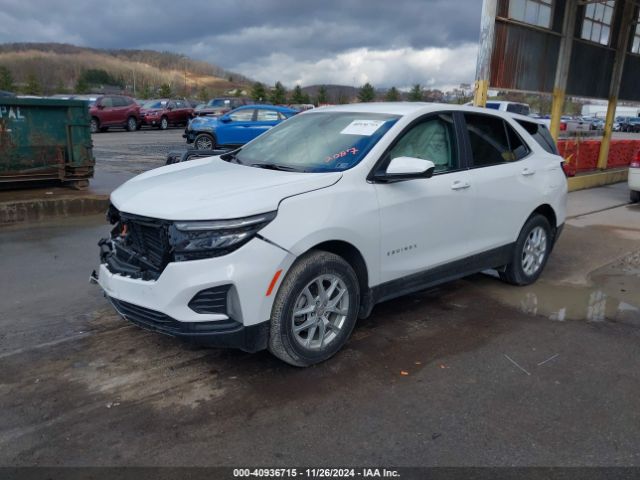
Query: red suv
point(114, 111)
point(162, 113)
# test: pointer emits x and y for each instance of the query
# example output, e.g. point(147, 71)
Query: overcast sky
point(385, 42)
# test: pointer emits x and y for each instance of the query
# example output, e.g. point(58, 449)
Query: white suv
point(285, 242)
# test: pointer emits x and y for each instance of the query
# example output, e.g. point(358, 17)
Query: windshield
point(154, 104)
point(218, 102)
point(318, 142)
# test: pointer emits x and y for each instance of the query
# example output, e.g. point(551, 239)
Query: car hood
point(210, 189)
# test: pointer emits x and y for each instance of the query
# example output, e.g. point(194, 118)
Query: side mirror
point(405, 168)
point(100, 106)
point(224, 119)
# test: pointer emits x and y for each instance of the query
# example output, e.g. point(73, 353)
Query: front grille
point(139, 246)
point(211, 300)
point(149, 239)
point(159, 322)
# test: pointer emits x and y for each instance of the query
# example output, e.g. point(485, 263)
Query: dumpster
point(45, 139)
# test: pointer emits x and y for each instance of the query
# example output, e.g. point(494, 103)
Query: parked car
point(164, 112)
point(220, 106)
point(629, 124)
point(114, 111)
point(284, 243)
point(513, 107)
point(634, 179)
point(235, 128)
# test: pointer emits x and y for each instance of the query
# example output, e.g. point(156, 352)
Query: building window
point(597, 22)
point(534, 12)
point(635, 46)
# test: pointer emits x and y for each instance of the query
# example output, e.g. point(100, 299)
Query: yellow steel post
point(556, 112)
point(628, 18)
point(481, 93)
point(606, 138)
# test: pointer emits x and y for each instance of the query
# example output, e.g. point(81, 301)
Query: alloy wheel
point(320, 312)
point(534, 251)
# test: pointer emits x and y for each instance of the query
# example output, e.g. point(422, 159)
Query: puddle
point(613, 294)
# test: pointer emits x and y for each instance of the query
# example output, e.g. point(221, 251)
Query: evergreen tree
point(146, 93)
point(322, 96)
point(392, 95)
point(33, 86)
point(367, 93)
point(298, 96)
point(165, 91)
point(278, 94)
point(203, 94)
point(258, 92)
point(6, 79)
point(415, 95)
point(81, 85)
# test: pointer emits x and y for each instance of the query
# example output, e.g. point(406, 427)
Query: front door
point(240, 129)
point(425, 223)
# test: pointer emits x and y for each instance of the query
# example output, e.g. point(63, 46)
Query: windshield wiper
point(276, 166)
point(231, 157)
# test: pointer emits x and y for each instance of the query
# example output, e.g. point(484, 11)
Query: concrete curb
point(33, 210)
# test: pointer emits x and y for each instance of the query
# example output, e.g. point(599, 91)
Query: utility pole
point(483, 66)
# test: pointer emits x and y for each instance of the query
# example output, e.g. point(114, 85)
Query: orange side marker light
point(274, 280)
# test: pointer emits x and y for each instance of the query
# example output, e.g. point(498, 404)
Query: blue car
point(236, 127)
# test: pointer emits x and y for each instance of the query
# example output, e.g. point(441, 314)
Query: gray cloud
point(261, 38)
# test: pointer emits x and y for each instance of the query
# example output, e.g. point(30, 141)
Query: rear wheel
point(530, 252)
point(315, 309)
point(132, 124)
point(204, 141)
point(634, 196)
point(164, 123)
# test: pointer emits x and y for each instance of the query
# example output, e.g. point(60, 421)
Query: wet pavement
point(475, 372)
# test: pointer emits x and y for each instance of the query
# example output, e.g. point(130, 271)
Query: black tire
point(104, 129)
point(94, 125)
point(132, 124)
point(634, 196)
point(164, 123)
point(283, 342)
point(514, 272)
point(204, 141)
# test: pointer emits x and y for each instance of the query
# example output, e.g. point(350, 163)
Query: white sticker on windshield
point(362, 127)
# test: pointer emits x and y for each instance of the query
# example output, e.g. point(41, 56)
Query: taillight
point(635, 163)
point(566, 168)
point(563, 126)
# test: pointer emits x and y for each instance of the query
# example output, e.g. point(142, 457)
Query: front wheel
point(530, 252)
point(94, 125)
point(315, 309)
point(132, 124)
point(164, 123)
point(204, 141)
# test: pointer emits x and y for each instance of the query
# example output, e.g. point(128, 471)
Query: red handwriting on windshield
point(342, 154)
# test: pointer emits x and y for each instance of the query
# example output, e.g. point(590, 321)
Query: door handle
point(526, 171)
point(459, 185)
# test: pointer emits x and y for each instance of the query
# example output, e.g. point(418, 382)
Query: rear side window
point(493, 141)
point(540, 134)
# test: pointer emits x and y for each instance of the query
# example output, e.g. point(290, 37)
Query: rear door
point(121, 110)
point(266, 118)
point(508, 184)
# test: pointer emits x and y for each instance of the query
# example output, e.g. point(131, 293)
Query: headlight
point(206, 239)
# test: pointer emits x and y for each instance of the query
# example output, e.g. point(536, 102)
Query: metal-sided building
point(586, 48)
